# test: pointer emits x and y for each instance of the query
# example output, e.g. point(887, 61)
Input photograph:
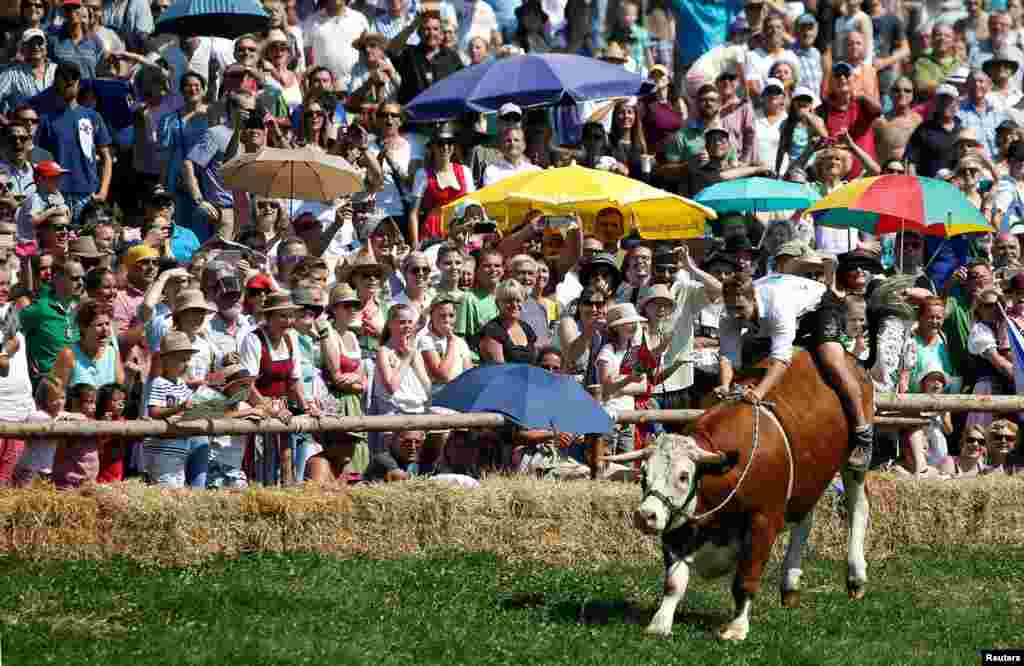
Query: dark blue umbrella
point(529, 81)
point(213, 18)
point(530, 396)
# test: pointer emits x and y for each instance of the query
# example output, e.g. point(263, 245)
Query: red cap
point(71, 3)
point(260, 281)
point(50, 169)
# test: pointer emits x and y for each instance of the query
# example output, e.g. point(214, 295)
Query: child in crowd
point(45, 202)
point(37, 460)
point(926, 452)
point(226, 451)
point(856, 325)
point(450, 260)
point(169, 396)
point(468, 275)
point(77, 459)
point(110, 404)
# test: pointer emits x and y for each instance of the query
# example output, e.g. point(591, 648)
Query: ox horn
point(632, 455)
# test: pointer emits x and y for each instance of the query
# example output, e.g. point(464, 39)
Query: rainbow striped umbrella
point(888, 204)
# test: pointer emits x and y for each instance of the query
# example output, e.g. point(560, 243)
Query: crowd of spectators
point(135, 283)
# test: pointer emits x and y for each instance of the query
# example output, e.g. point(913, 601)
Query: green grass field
point(923, 608)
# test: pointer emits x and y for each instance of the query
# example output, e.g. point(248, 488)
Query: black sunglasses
point(258, 292)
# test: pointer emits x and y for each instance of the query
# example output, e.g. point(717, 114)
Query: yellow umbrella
point(655, 213)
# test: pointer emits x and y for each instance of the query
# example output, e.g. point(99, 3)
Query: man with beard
point(141, 266)
point(49, 323)
point(229, 325)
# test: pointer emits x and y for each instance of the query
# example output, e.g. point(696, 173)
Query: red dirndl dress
point(272, 382)
point(435, 197)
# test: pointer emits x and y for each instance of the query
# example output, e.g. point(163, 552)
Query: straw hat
point(311, 296)
point(658, 292)
point(368, 39)
point(622, 314)
point(933, 370)
point(811, 261)
point(236, 374)
point(343, 293)
point(987, 296)
point(967, 135)
point(191, 299)
point(363, 262)
point(278, 300)
point(84, 247)
point(176, 341)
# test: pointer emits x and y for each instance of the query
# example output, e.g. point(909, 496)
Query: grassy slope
point(924, 608)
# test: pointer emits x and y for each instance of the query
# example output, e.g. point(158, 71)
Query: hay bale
point(561, 523)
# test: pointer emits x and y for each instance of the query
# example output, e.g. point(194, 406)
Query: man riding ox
point(763, 458)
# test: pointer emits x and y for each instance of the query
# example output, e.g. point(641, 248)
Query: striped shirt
point(811, 74)
point(87, 53)
point(165, 393)
point(18, 84)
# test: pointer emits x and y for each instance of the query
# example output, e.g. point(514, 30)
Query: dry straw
point(565, 523)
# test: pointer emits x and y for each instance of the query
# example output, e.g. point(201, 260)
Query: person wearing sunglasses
point(374, 78)
point(440, 181)
point(21, 81)
point(17, 167)
point(49, 322)
point(1002, 440)
point(44, 203)
point(394, 154)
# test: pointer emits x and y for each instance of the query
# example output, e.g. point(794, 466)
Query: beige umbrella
point(302, 173)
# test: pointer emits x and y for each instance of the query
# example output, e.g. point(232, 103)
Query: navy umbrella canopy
point(529, 395)
point(213, 18)
point(529, 80)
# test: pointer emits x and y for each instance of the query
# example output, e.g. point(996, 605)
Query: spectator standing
point(894, 129)
point(979, 114)
point(36, 461)
point(991, 357)
point(23, 80)
point(930, 147)
point(49, 322)
point(661, 113)
point(845, 112)
point(179, 133)
point(514, 160)
point(619, 371)
point(170, 395)
point(808, 56)
point(422, 65)
point(94, 359)
point(78, 138)
point(72, 45)
point(402, 383)
point(445, 354)
point(131, 19)
point(440, 181)
point(141, 267)
point(932, 68)
point(330, 34)
point(16, 404)
point(737, 116)
point(478, 306)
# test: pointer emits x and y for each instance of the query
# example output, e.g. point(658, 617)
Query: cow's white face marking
point(668, 477)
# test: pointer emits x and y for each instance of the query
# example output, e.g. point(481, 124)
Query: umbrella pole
point(903, 222)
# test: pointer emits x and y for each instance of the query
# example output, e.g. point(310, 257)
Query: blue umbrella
point(213, 18)
point(745, 195)
point(530, 396)
point(529, 81)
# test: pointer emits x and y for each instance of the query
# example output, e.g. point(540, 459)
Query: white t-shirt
point(427, 341)
point(16, 402)
point(614, 359)
point(252, 350)
point(760, 62)
point(38, 454)
point(388, 199)
point(768, 135)
point(502, 169)
point(330, 39)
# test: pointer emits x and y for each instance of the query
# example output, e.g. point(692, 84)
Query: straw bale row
point(567, 523)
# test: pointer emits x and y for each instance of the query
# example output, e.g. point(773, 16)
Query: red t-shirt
point(857, 119)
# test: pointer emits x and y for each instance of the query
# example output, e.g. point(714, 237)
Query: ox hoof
point(791, 598)
point(855, 590)
point(733, 631)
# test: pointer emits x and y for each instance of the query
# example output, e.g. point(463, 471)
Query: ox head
point(671, 473)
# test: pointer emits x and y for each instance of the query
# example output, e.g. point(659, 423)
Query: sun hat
point(191, 299)
point(661, 69)
point(176, 341)
point(278, 300)
point(508, 108)
point(622, 314)
point(235, 374)
point(804, 91)
point(967, 135)
point(363, 262)
point(368, 39)
point(987, 296)
point(658, 292)
point(84, 247)
point(1008, 55)
point(933, 371)
point(343, 293)
point(773, 84)
point(137, 253)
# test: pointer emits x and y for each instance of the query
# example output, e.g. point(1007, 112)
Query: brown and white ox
point(803, 442)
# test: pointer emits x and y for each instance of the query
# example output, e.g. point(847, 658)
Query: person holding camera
point(440, 181)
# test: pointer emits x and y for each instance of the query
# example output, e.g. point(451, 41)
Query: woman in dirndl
point(441, 181)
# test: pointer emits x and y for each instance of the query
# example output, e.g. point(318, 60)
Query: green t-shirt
point(476, 309)
point(687, 143)
point(49, 326)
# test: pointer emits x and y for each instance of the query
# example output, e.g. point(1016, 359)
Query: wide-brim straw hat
point(363, 262)
point(622, 314)
point(176, 341)
point(658, 292)
point(236, 374)
point(191, 299)
point(278, 300)
point(85, 247)
point(343, 293)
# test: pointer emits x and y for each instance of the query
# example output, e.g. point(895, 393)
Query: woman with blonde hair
point(971, 461)
point(277, 56)
point(507, 338)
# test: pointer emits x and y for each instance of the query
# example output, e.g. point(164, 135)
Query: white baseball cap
point(509, 108)
point(804, 91)
point(773, 83)
point(947, 89)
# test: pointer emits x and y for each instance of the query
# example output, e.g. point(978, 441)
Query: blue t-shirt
point(208, 155)
point(702, 25)
point(73, 136)
point(184, 244)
